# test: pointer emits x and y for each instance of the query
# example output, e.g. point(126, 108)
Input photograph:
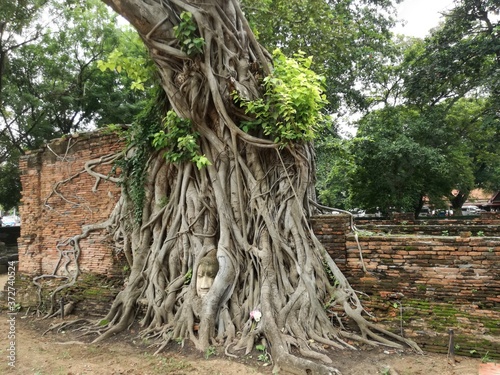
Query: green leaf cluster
point(348, 39)
point(180, 141)
point(137, 68)
point(436, 137)
point(333, 168)
point(10, 185)
point(400, 156)
point(290, 110)
point(187, 34)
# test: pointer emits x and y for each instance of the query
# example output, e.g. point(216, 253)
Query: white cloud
point(421, 16)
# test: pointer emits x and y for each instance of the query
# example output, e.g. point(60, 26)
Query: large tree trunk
point(252, 205)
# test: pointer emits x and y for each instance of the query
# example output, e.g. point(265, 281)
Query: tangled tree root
point(251, 203)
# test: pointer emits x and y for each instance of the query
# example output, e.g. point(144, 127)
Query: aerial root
point(226, 352)
point(65, 325)
point(166, 341)
point(71, 343)
point(314, 355)
point(328, 342)
point(68, 309)
point(299, 366)
point(412, 344)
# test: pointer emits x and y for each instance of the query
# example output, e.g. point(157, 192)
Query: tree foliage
point(347, 38)
point(449, 81)
point(334, 169)
point(458, 67)
point(400, 158)
point(290, 110)
point(403, 154)
point(50, 81)
point(460, 58)
point(10, 186)
point(475, 135)
point(15, 19)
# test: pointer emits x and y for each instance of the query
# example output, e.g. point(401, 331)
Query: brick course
point(442, 282)
point(49, 217)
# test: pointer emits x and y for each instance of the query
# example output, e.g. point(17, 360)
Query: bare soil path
point(65, 353)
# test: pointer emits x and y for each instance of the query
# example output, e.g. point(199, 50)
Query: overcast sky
point(421, 16)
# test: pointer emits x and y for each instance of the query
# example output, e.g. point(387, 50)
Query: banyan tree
point(231, 180)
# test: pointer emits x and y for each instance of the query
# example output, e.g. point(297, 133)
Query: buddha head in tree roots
point(207, 270)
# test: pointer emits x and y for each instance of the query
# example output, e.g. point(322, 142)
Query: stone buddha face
point(207, 269)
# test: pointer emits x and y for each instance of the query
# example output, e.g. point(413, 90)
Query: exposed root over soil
point(250, 203)
point(65, 352)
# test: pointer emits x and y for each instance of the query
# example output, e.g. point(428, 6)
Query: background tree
point(449, 82)
point(335, 150)
point(233, 171)
point(334, 170)
point(399, 158)
point(475, 135)
point(50, 82)
point(15, 18)
point(348, 38)
point(410, 152)
point(10, 186)
point(460, 61)
point(460, 58)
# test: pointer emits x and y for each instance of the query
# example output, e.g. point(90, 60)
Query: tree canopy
point(449, 81)
point(458, 66)
point(347, 38)
point(50, 82)
point(401, 156)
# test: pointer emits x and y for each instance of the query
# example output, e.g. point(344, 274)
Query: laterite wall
point(427, 284)
point(425, 277)
point(59, 197)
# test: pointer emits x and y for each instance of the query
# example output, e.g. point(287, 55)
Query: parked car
point(357, 212)
point(11, 221)
point(444, 213)
point(425, 211)
point(471, 210)
point(373, 212)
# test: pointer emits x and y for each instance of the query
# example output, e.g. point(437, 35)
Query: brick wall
point(448, 269)
point(487, 224)
point(59, 197)
point(417, 278)
point(426, 284)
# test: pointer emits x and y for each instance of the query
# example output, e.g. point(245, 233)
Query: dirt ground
point(65, 353)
